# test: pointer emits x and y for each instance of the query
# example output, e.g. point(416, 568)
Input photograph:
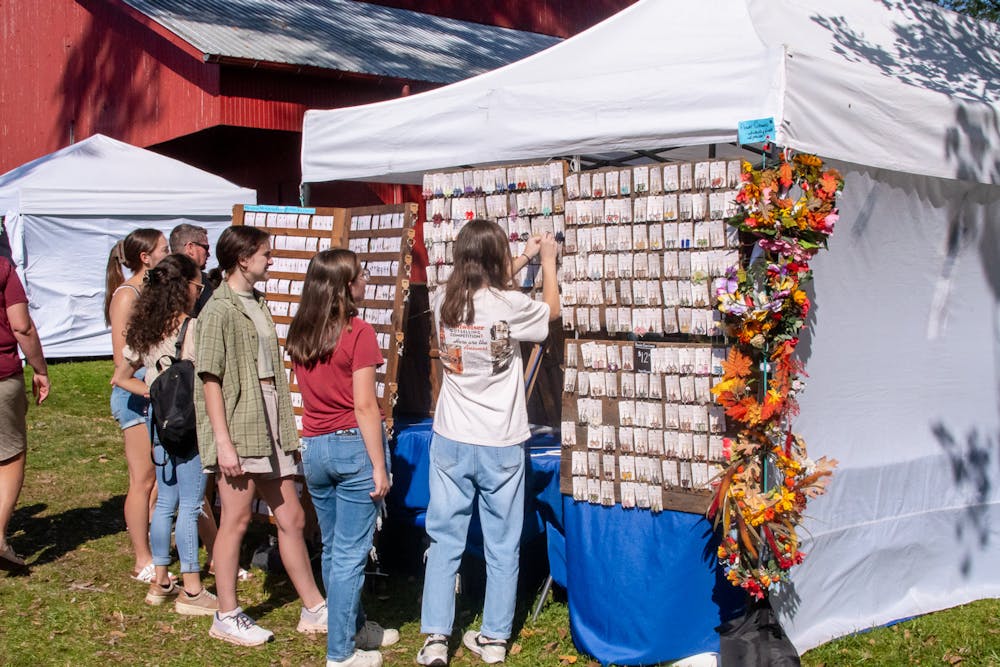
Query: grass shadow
point(43, 539)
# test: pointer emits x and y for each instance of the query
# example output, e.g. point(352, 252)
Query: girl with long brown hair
point(480, 426)
point(158, 326)
point(344, 450)
point(140, 251)
point(246, 432)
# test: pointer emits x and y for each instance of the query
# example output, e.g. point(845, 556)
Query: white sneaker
point(434, 651)
point(313, 622)
point(359, 659)
point(373, 636)
point(490, 650)
point(238, 628)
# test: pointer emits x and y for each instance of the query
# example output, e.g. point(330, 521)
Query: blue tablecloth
point(643, 588)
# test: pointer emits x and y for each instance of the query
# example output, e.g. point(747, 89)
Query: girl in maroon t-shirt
point(344, 453)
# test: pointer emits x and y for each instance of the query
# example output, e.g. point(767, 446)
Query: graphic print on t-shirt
point(468, 349)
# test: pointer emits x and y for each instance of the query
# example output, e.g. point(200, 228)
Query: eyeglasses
point(204, 246)
point(200, 286)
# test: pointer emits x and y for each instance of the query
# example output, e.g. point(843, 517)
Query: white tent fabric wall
point(65, 211)
point(911, 522)
point(904, 380)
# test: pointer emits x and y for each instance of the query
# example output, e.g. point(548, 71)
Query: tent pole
point(304, 194)
point(711, 151)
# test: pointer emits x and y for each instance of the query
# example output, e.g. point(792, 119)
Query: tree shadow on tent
point(43, 539)
point(972, 461)
point(928, 51)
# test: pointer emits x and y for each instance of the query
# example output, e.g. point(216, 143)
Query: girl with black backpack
point(159, 330)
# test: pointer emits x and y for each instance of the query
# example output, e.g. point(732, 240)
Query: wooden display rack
point(299, 233)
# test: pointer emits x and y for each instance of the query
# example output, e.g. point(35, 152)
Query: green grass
point(78, 605)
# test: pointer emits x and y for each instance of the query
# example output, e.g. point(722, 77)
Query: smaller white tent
point(65, 211)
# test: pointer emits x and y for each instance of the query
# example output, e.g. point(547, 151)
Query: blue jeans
point(338, 474)
point(180, 490)
point(459, 473)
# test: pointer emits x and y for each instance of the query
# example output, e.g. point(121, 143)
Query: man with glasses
point(192, 240)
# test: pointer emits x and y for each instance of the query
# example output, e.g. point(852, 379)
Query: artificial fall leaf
point(737, 411)
point(785, 175)
point(828, 183)
point(772, 405)
point(737, 365)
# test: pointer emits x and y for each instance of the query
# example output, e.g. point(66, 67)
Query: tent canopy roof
point(102, 176)
point(898, 84)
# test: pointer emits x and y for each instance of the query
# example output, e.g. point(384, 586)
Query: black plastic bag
point(756, 639)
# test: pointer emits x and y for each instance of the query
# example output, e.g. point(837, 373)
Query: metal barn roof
point(344, 35)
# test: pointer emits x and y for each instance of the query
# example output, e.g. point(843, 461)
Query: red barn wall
point(74, 69)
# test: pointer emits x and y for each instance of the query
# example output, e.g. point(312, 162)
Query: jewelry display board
point(525, 200)
point(643, 247)
point(639, 423)
point(381, 235)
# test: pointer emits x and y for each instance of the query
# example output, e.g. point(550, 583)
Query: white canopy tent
point(63, 213)
point(904, 358)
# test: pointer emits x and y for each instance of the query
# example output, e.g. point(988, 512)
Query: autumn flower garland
point(789, 211)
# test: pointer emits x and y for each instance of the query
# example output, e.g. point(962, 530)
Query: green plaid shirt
point(226, 347)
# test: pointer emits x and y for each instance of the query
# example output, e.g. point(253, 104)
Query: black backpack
point(171, 398)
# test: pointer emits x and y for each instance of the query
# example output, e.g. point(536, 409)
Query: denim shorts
point(128, 408)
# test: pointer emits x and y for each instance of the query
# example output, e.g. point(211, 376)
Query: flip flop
point(9, 560)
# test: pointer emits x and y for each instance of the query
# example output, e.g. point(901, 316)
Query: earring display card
point(653, 248)
point(382, 237)
point(525, 200)
point(645, 413)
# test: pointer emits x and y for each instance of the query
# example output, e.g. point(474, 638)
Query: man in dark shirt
point(192, 240)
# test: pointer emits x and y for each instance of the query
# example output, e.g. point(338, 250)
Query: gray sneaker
point(373, 636)
point(434, 651)
point(359, 659)
point(313, 622)
point(238, 628)
point(490, 650)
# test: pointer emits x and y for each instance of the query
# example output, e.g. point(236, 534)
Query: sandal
point(9, 560)
point(148, 574)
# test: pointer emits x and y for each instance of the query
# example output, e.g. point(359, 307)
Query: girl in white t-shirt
point(480, 426)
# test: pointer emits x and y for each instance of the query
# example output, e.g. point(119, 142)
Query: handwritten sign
point(755, 131)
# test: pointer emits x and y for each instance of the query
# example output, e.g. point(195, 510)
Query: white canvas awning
point(901, 85)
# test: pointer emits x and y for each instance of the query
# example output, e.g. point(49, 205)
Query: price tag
point(644, 357)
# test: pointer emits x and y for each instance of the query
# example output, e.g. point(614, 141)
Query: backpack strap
point(180, 338)
point(177, 347)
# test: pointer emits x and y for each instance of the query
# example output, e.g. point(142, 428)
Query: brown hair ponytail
point(127, 252)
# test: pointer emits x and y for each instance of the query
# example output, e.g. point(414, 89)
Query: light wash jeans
point(180, 490)
point(338, 474)
point(459, 473)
